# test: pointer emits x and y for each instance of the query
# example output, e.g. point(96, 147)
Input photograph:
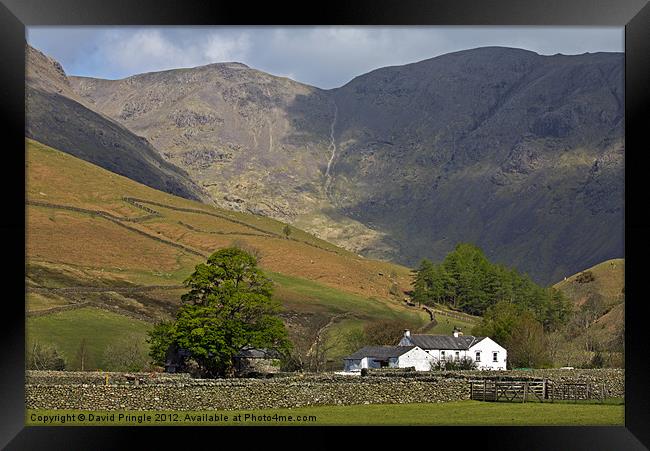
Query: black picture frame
point(633, 14)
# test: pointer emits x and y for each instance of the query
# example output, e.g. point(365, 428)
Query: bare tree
point(320, 350)
point(127, 354)
point(354, 340)
point(44, 358)
point(82, 354)
point(386, 332)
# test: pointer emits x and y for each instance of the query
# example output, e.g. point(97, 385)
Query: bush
point(585, 277)
point(246, 247)
point(466, 363)
point(42, 357)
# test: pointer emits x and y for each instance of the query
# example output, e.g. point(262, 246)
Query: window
point(495, 354)
point(442, 355)
point(457, 356)
point(478, 356)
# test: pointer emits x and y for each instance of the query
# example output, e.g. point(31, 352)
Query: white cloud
point(219, 48)
point(147, 50)
point(322, 56)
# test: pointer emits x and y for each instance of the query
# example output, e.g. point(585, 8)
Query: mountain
point(227, 124)
point(55, 115)
point(518, 153)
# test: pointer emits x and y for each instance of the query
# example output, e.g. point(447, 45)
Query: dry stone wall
point(612, 378)
point(48, 390)
point(156, 391)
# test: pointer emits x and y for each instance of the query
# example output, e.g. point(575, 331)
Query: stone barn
point(256, 362)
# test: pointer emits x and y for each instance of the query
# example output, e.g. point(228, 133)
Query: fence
point(535, 390)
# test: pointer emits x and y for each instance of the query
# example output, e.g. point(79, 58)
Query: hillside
point(518, 153)
point(598, 294)
point(96, 239)
point(55, 115)
point(608, 281)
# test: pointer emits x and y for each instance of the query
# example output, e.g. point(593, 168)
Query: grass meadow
point(461, 413)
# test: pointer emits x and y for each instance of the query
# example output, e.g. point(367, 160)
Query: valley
point(133, 182)
point(97, 240)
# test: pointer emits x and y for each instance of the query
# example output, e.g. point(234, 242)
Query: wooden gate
point(534, 390)
point(509, 390)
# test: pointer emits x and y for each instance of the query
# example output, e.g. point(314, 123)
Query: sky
point(326, 57)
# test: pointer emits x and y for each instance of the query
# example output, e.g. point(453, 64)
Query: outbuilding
point(388, 357)
point(251, 361)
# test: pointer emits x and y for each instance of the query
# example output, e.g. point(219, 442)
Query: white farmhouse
point(487, 353)
point(388, 357)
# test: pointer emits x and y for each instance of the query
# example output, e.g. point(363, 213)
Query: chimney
point(457, 332)
point(407, 333)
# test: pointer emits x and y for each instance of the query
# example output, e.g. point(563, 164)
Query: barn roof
point(380, 352)
point(254, 353)
point(445, 341)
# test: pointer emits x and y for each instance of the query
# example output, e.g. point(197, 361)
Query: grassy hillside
point(98, 328)
point(99, 238)
point(598, 295)
point(609, 280)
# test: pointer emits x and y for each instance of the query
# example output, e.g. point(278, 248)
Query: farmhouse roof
point(380, 352)
point(444, 341)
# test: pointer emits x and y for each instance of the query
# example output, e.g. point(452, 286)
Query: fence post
point(525, 391)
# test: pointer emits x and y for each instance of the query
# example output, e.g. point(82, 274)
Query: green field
point(446, 326)
point(442, 414)
point(99, 328)
point(302, 293)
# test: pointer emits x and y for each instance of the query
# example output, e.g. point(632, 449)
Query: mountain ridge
point(420, 156)
point(57, 116)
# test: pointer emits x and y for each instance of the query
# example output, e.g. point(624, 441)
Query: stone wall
point(33, 377)
point(612, 378)
point(47, 390)
point(159, 391)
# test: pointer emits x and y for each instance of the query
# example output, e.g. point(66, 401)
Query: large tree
point(516, 329)
point(228, 306)
point(527, 345)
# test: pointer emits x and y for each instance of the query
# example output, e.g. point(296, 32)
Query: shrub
point(465, 363)
point(45, 358)
point(246, 247)
point(286, 230)
point(128, 354)
point(585, 277)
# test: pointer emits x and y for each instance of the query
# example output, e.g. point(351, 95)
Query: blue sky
point(326, 57)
